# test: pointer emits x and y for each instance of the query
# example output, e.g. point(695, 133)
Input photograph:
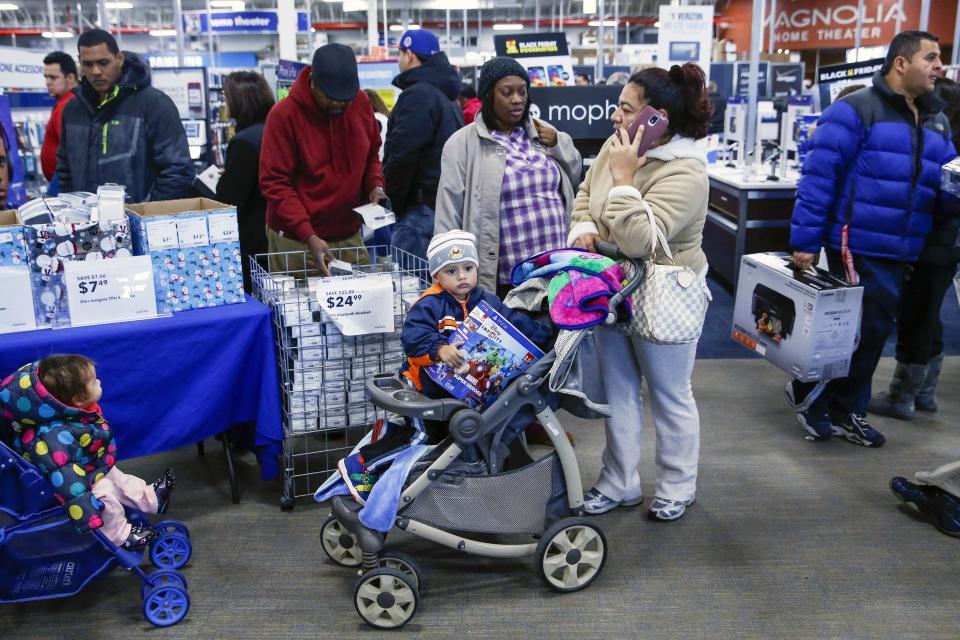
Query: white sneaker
point(596, 503)
point(667, 510)
point(947, 477)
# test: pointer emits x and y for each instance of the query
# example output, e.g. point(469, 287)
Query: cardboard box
point(13, 248)
point(195, 249)
point(804, 323)
point(49, 246)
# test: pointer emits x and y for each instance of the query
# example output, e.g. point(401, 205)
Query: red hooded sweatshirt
point(315, 168)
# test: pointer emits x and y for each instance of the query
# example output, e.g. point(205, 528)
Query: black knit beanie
point(497, 69)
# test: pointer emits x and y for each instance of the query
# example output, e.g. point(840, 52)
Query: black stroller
point(42, 556)
point(541, 500)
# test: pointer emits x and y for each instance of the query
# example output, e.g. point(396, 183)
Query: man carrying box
point(320, 158)
point(120, 129)
point(869, 189)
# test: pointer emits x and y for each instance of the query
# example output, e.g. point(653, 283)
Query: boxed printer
point(806, 323)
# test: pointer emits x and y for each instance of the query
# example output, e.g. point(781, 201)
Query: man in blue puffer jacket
point(869, 190)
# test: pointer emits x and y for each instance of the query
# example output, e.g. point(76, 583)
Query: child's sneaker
point(358, 478)
point(139, 538)
point(164, 486)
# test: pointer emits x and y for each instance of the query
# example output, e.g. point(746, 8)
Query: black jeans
point(919, 329)
point(881, 281)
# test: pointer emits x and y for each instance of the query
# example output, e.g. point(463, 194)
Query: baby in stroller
point(51, 417)
point(532, 507)
point(453, 262)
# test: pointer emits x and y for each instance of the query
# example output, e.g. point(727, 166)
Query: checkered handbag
point(670, 304)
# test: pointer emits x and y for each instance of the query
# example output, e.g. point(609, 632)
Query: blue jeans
point(881, 281)
point(412, 231)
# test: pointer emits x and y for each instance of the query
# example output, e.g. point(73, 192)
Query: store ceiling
point(33, 13)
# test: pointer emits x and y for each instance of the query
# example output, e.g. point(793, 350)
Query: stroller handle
point(612, 251)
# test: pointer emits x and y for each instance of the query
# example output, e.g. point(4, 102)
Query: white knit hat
point(450, 247)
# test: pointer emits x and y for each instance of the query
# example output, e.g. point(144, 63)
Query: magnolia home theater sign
point(819, 23)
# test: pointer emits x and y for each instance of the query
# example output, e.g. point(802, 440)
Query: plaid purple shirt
point(533, 217)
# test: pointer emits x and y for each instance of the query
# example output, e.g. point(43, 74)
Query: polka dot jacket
point(71, 447)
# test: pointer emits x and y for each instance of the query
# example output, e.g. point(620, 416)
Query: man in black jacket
point(120, 129)
point(426, 114)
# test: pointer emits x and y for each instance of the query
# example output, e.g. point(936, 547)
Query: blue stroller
point(537, 504)
point(42, 556)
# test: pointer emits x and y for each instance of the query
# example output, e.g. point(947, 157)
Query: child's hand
point(450, 355)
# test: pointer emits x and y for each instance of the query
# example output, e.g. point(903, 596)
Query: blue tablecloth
point(177, 380)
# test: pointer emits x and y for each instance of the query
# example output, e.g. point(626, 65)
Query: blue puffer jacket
point(872, 168)
point(434, 317)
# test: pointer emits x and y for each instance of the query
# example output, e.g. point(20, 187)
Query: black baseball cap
point(335, 72)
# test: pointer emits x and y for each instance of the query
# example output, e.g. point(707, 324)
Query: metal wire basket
point(322, 371)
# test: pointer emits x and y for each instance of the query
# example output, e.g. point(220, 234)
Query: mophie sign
point(535, 45)
point(818, 23)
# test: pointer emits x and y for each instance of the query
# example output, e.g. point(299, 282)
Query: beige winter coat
point(673, 182)
point(471, 177)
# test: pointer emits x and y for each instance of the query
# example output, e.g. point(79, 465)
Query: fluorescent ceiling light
point(236, 5)
point(399, 27)
point(163, 33)
point(9, 6)
point(656, 25)
point(57, 34)
point(119, 5)
point(355, 5)
point(606, 23)
point(589, 6)
point(508, 27)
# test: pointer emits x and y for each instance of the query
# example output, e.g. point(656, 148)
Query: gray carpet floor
point(788, 539)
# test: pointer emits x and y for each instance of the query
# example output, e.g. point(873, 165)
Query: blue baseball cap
point(420, 41)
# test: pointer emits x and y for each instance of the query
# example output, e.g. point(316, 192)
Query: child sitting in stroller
point(453, 262)
point(50, 409)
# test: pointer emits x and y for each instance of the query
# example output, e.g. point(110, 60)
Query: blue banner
point(195, 22)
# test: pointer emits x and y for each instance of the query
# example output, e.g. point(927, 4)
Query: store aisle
point(787, 539)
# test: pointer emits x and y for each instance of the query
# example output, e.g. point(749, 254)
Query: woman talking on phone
point(654, 182)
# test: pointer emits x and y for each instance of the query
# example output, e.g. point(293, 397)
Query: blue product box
point(195, 250)
point(50, 246)
point(13, 250)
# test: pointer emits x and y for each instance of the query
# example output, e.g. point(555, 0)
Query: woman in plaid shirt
point(508, 178)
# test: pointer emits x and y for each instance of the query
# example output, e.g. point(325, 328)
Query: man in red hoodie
point(320, 158)
point(60, 73)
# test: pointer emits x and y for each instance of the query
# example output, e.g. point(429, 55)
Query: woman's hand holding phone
point(623, 160)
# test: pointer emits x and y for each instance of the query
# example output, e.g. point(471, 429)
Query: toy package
point(495, 351)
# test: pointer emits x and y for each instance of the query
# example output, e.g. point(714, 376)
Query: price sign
point(113, 290)
point(223, 227)
point(358, 304)
point(162, 234)
point(16, 304)
point(192, 232)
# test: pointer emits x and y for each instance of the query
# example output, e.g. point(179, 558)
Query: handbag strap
point(656, 234)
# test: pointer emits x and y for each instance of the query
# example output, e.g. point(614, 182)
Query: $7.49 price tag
point(358, 304)
point(112, 290)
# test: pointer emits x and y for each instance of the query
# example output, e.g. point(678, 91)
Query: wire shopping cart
point(322, 371)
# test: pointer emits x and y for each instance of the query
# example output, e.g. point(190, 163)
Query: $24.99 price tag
point(358, 304)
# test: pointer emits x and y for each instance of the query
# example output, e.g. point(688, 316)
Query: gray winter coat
point(135, 139)
point(471, 177)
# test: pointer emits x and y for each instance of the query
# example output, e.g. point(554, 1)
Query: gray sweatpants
point(626, 362)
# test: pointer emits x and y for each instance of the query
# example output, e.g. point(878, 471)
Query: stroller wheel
point(571, 554)
point(339, 544)
point(171, 551)
point(386, 598)
point(167, 577)
point(166, 605)
point(404, 563)
point(171, 526)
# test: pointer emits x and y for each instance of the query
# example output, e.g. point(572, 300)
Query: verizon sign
point(817, 23)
